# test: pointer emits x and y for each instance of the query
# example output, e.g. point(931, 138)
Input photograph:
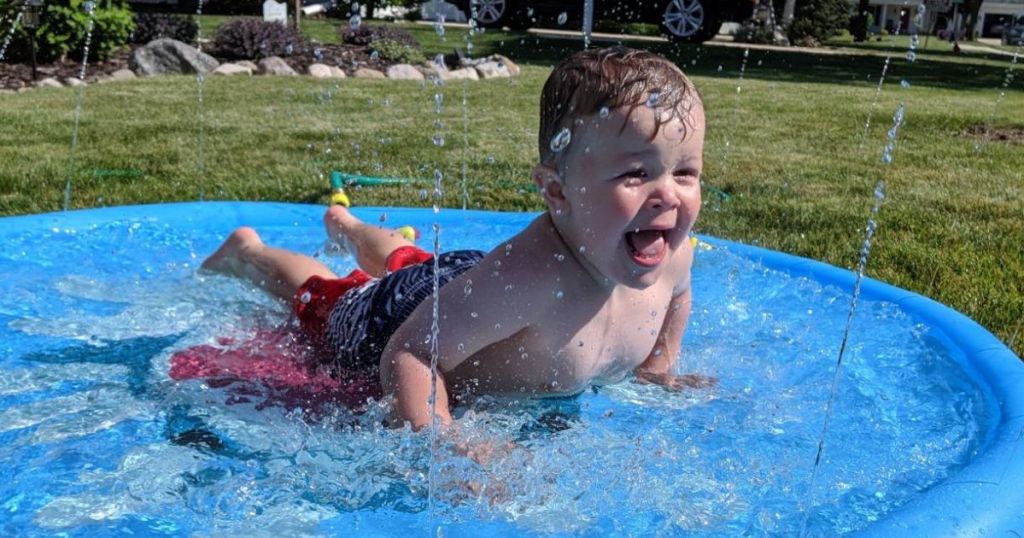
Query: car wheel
point(497, 13)
point(692, 21)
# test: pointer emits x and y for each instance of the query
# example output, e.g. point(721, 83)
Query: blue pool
point(98, 440)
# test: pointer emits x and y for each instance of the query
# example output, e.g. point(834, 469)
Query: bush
point(398, 53)
point(62, 30)
point(250, 39)
point(150, 26)
point(816, 21)
point(368, 34)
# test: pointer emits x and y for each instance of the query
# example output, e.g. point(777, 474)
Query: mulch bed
point(14, 76)
point(1013, 135)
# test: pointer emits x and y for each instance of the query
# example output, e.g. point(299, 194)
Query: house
point(940, 15)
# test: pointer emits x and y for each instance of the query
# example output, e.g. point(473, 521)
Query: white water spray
point(10, 32)
point(79, 90)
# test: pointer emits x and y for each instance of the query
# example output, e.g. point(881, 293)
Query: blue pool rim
point(984, 498)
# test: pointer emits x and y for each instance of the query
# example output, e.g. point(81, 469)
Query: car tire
point(499, 13)
point(690, 21)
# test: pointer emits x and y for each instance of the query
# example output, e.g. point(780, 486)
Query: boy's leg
point(372, 244)
point(280, 272)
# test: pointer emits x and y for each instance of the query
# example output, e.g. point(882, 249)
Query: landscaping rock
point(248, 63)
point(513, 69)
point(170, 57)
point(275, 66)
point(123, 74)
point(229, 69)
point(458, 74)
point(492, 69)
point(73, 82)
point(337, 72)
point(49, 82)
point(404, 72)
point(365, 72)
point(319, 71)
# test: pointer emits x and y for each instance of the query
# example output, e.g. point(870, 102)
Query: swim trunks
point(355, 316)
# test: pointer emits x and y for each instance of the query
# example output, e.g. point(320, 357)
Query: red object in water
point(282, 365)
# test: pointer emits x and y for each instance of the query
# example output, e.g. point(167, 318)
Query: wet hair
point(612, 77)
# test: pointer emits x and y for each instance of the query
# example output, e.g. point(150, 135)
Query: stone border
point(184, 59)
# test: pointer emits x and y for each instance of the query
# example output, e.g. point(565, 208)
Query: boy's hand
point(673, 382)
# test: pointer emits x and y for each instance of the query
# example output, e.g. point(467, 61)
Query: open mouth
point(647, 247)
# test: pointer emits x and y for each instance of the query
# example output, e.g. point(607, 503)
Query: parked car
point(680, 20)
point(1013, 32)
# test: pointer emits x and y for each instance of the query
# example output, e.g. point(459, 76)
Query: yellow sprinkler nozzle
point(694, 241)
point(338, 197)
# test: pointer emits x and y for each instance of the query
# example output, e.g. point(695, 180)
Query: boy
point(596, 287)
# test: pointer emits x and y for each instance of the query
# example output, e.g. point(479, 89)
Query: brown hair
point(612, 77)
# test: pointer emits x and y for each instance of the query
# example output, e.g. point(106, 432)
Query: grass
point(795, 174)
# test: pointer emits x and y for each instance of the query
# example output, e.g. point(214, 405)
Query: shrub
point(815, 21)
point(397, 53)
point(368, 34)
point(233, 7)
point(250, 39)
point(150, 26)
point(62, 30)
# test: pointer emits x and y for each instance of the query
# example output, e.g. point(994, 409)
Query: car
point(1013, 32)
point(692, 21)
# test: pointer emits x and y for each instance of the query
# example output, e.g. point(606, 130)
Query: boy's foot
point(337, 220)
point(228, 258)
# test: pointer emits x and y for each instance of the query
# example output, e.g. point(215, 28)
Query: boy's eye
point(636, 172)
point(686, 175)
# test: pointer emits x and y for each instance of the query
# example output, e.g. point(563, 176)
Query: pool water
point(97, 439)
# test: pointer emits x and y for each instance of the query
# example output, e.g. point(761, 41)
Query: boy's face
point(628, 201)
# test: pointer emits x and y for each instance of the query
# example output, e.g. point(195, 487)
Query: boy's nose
point(663, 196)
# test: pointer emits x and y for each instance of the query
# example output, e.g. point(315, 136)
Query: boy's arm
point(471, 322)
point(657, 368)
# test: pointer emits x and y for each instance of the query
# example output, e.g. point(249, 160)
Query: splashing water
point(1007, 80)
point(878, 89)
point(890, 142)
point(879, 196)
point(439, 26)
point(588, 22)
point(654, 99)
point(355, 21)
point(10, 32)
point(79, 90)
point(561, 140)
point(562, 17)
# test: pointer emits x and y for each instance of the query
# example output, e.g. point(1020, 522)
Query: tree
point(859, 22)
point(971, 8)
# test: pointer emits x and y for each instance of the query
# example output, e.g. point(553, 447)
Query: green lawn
point(795, 174)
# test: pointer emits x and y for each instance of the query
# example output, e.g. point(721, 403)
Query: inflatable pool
point(98, 438)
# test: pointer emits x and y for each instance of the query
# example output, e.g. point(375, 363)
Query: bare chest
point(576, 346)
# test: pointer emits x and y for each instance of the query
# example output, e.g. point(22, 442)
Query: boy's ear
point(549, 184)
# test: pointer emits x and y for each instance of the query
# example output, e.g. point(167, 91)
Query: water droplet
point(438, 140)
point(423, 194)
point(288, 49)
point(604, 113)
point(561, 140)
point(468, 288)
point(439, 26)
point(490, 159)
point(474, 315)
point(529, 12)
point(653, 99)
point(911, 56)
point(562, 17)
point(657, 352)
point(582, 249)
point(355, 21)
point(438, 101)
point(904, 83)
point(508, 248)
point(306, 297)
point(383, 217)
point(559, 294)
point(461, 347)
point(318, 54)
point(560, 257)
point(508, 288)
point(579, 343)
point(719, 68)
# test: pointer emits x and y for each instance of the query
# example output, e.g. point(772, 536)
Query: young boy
point(595, 288)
